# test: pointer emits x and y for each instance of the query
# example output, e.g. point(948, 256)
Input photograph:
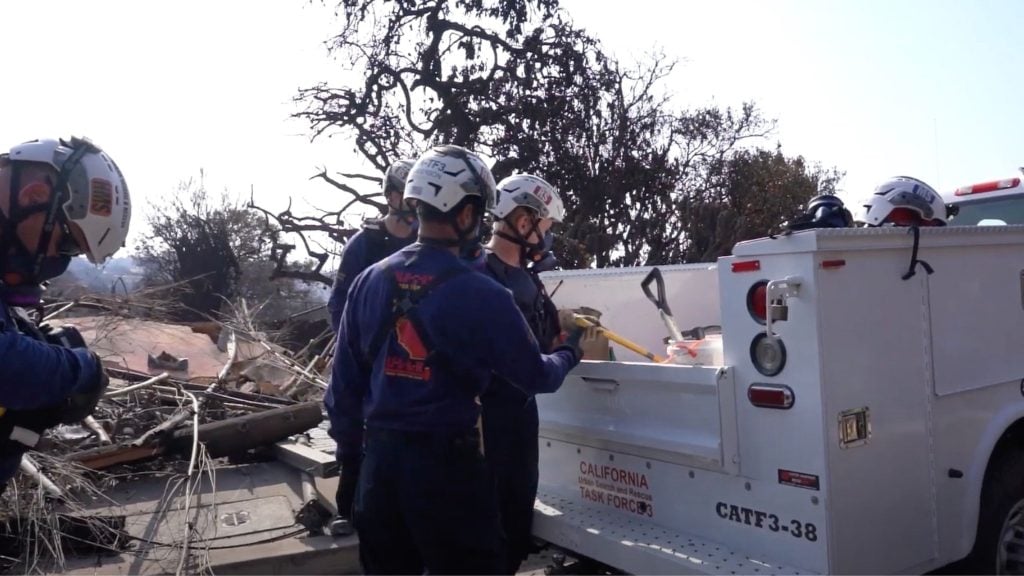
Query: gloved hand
point(567, 316)
point(345, 496)
point(573, 340)
point(82, 402)
point(66, 336)
point(347, 480)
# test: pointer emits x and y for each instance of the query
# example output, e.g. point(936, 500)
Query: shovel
point(661, 302)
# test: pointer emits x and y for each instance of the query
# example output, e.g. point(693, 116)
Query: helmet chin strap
point(527, 249)
point(402, 212)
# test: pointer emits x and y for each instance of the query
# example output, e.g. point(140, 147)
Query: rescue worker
point(526, 209)
point(378, 239)
point(419, 340)
point(58, 199)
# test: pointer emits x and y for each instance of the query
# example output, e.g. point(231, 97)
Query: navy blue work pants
point(510, 426)
point(425, 504)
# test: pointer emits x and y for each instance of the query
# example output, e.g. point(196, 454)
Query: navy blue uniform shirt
point(35, 374)
point(475, 328)
point(363, 249)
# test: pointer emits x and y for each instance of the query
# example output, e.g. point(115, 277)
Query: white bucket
point(705, 352)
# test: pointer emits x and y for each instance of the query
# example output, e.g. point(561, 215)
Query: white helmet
point(531, 192)
point(443, 176)
point(394, 178)
point(902, 200)
point(94, 195)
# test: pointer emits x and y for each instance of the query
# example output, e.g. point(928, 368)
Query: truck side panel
point(708, 518)
point(876, 357)
point(974, 293)
point(976, 317)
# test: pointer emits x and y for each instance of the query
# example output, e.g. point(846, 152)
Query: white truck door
point(875, 361)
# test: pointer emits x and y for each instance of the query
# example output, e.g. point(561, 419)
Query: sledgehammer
point(583, 322)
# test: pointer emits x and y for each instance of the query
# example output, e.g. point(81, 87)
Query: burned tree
point(212, 250)
point(469, 73)
point(518, 82)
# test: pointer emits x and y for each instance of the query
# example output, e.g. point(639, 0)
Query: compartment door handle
point(602, 384)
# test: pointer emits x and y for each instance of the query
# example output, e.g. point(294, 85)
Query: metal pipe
point(122, 391)
point(28, 466)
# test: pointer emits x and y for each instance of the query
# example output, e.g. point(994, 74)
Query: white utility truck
point(860, 421)
point(994, 202)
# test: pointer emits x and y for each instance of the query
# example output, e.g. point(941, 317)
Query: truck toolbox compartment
point(667, 412)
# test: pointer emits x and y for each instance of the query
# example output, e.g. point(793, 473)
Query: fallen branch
point(93, 425)
point(224, 438)
point(194, 410)
point(227, 399)
point(122, 391)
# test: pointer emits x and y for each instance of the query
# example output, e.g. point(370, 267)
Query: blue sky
point(931, 89)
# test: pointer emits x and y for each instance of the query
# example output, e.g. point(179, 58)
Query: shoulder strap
point(376, 243)
point(496, 267)
point(548, 327)
point(405, 303)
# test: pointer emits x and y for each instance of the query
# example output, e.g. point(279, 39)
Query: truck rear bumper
point(638, 547)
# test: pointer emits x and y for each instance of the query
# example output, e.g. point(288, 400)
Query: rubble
point(196, 420)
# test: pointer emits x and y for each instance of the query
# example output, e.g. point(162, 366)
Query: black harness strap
point(405, 304)
point(914, 260)
point(541, 314)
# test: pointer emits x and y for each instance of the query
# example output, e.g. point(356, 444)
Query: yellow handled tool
point(583, 322)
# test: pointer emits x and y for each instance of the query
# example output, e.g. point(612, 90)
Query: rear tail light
point(757, 301)
point(988, 187)
point(768, 354)
point(778, 396)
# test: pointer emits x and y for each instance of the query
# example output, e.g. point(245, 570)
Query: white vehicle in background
point(995, 202)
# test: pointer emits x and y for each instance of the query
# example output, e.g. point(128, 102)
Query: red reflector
point(771, 396)
point(757, 301)
point(988, 187)
point(748, 266)
point(827, 264)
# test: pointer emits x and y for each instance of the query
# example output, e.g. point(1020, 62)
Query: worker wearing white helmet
point(526, 209)
point(377, 239)
point(420, 339)
point(58, 199)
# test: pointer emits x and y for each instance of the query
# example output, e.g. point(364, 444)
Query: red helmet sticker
point(101, 197)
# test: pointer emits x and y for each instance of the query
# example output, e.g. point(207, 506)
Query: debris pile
point(184, 406)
